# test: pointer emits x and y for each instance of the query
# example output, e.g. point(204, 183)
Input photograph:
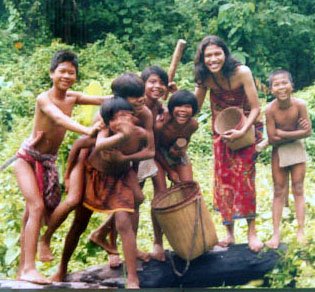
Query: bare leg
point(22, 237)
point(99, 235)
point(35, 211)
point(297, 175)
point(280, 179)
point(79, 224)
point(124, 228)
point(62, 211)
point(253, 241)
point(160, 187)
point(230, 239)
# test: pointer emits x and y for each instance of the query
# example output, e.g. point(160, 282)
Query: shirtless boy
point(172, 137)
point(130, 87)
point(35, 169)
point(107, 187)
point(287, 121)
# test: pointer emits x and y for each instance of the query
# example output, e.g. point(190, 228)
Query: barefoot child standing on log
point(108, 187)
point(287, 123)
point(130, 87)
point(35, 169)
point(230, 84)
point(172, 136)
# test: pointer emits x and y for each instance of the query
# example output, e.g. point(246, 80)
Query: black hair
point(64, 56)
point(128, 85)
point(110, 108)
point(279, 72)
point(182, 97)
point(201, 70)
point(147, 72)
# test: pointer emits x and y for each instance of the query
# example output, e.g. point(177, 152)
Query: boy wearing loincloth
point(130, 87)
point(287, 122)
point(107, 184)
point(172, 136)
point(35, 169)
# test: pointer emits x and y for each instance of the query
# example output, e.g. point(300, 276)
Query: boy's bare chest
point(287, 119)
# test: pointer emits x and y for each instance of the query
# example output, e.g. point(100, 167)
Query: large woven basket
point(185, 220)
point(234, 118)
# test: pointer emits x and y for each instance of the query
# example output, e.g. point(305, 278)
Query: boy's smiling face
point(64, 76)
point(281, 86)
point(154, 87)
point(137, 103)
point(183, 113)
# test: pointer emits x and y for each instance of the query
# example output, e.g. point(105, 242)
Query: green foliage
point(107, 58)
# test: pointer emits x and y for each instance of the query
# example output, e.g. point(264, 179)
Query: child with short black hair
point(35, 169)
point(108, 187)
point(172, 136)
point(287, 123)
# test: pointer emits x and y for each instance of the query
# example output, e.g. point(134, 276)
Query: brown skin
point(287, 120)
point(144, 119)
point(242, 77)
point(127, 139)
point(52, 118)
point(74, 182)
point(167, 132)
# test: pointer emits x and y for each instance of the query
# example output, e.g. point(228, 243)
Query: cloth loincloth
point(292, 153)
point(44, 166)
point(107, 193)
point(147, 168)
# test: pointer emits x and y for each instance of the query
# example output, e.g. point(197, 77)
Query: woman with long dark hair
point(231, 84)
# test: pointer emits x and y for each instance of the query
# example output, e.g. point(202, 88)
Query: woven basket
point(234, 118)
point(185, 220)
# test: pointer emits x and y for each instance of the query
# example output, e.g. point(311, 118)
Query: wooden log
point(235, 266)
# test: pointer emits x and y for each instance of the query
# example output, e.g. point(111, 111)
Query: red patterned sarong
point(107, 193)
point(234, 171)
point(46, 173)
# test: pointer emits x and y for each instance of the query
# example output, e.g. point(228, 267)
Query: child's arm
point(61, 119)
point(105, 142)
point(149, 150)
point(83, 142)
point(304, 128)
point(273, 137)
point(91, 99)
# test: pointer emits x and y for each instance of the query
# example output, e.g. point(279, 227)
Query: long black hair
point(201, 70)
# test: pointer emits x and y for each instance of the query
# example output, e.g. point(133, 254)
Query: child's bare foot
point(300, 236)
point(103, 244)
point(57, 277)
point(254, 243)
point(44, 252)
point(273, 242)
point(229, 240)
point(158, 253)
point(132, 284)
point(114, 261)
point(33, 276)
point(144, 256)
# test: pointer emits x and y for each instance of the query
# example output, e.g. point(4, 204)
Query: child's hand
point(172, 87)
point(304, 124)
point(95, 128)
point(173, 176)
point(173, 152)
point(125, 128)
